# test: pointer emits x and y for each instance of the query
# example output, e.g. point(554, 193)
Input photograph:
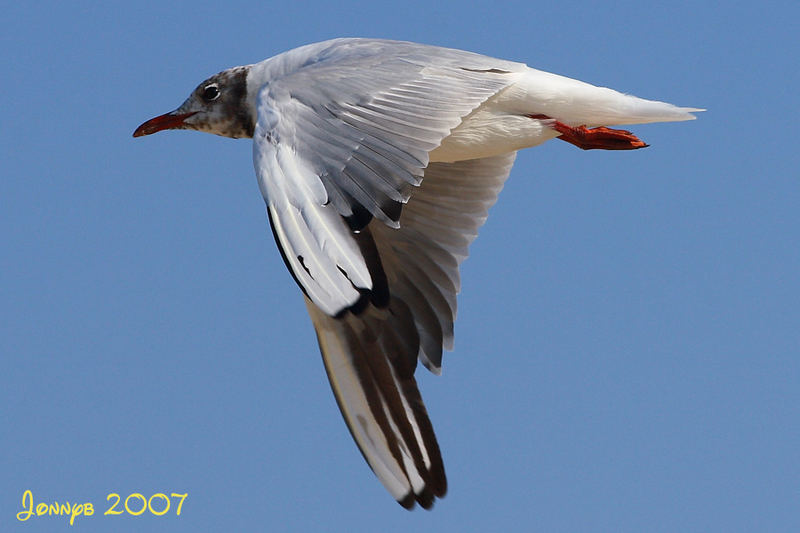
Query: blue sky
point(628, 339)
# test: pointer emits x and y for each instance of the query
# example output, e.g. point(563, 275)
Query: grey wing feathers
point(369, 144)
point(350, 135)
point(370, 357)
point(422, 258)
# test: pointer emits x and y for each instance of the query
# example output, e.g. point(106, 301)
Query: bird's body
point(378, 161)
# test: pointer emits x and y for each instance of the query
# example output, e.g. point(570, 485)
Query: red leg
point(596, 138)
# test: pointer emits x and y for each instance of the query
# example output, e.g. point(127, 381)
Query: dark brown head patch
point(228, 114)
point(236, 103)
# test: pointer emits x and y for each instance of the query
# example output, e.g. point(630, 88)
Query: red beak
point(169, 121)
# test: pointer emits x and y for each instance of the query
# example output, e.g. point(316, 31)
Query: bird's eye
point(210, 92)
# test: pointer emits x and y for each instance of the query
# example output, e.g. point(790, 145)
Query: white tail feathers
point(577, 103)
point(633, 110)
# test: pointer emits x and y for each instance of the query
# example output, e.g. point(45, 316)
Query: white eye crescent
point(210, 92)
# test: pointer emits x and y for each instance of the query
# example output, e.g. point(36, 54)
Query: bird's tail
point(576, 103)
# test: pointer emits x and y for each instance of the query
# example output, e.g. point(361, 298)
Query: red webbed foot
point(600, 138)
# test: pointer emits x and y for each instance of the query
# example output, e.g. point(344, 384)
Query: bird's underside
point(379, 161)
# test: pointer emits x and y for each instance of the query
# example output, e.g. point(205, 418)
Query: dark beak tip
point(151, 126)
point(168, 121)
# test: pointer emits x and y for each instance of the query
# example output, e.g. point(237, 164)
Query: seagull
point(378, 161)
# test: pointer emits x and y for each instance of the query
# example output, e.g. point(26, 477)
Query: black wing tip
point(389, 212)
point(366, 297)
point(378, 295)
point(440, 485)
point(427, 498)
point(392, 209)
point(359, 218)
point(361, 304)
point(408, 501)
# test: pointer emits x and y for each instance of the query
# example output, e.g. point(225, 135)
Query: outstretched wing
point(371, 231)
point(371, 356)
point(345, 138)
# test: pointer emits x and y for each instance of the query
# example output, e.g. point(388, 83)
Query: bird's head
point(219, 105)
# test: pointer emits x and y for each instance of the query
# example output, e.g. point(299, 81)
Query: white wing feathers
point(314, 240)
point(326, 263)
point(355, 149)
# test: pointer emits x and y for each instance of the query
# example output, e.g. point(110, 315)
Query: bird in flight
point(378, 161)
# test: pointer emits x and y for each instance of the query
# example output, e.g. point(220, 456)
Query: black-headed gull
point(378, 161)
